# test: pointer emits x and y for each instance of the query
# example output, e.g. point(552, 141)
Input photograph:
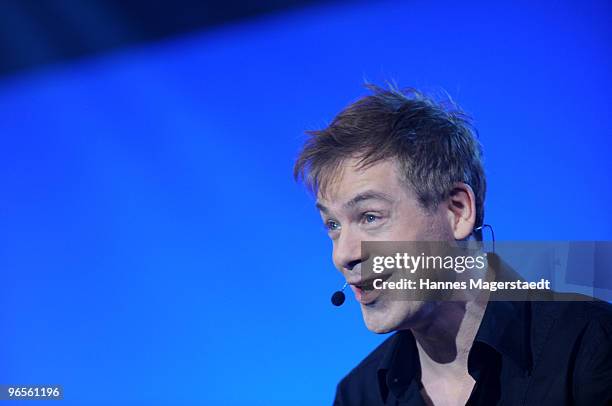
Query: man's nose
point(347, 251)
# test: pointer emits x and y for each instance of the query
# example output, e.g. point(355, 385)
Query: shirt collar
point(505, 325)
point(504, 328)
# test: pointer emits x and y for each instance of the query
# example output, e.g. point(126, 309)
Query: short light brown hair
point(433, 141)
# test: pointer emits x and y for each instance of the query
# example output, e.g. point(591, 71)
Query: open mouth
point(364, 290)
point(368, 284)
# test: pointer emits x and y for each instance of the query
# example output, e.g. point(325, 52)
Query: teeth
point(367, 286)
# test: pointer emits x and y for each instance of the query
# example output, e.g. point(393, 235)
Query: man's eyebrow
point(361, 197)
point(368, 195)
point(321, 208)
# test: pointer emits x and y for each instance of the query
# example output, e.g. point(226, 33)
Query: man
point(399, 166)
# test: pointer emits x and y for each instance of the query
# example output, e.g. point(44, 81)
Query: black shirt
point(524, 353)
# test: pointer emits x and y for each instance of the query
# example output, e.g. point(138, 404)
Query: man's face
point(373, 204)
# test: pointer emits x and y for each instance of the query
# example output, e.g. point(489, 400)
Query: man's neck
point(444, 338)
point(444, 343)
point(449, 333)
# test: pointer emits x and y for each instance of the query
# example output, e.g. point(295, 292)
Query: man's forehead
point(353, 183)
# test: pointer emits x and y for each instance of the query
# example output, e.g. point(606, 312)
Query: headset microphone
point(478, 233)
point(338, 297)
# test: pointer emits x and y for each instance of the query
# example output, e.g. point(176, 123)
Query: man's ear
point(461, 210)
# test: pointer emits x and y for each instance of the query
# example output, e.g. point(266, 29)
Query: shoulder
point(591, 321)
point(576, 311)
point(583, 331)
point(579, 323)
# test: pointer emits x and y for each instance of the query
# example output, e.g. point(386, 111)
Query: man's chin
point(380, 329)
point(380, 326)
point(386, 316)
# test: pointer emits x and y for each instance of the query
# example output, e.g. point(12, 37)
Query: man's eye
point(332, 225)
point(369, 218)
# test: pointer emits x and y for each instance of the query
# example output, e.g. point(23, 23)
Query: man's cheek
point(335, 261)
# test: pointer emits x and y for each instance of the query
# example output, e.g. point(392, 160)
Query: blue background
point(154, 248)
